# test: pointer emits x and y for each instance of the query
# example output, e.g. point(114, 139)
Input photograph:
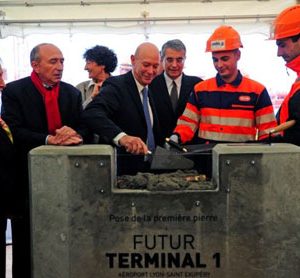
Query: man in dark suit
point(117, 114)
point(8, 186)
point(8, 182)
point(39, 109)
point(172, 88)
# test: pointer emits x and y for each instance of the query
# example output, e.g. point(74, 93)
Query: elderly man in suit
point(171, 89)
point(123, 113)
point(39, 109)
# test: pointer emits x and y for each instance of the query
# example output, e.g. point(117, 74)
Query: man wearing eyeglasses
point(171, 89)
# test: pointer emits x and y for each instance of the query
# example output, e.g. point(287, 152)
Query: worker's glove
point(170, 142)
point(175, 138)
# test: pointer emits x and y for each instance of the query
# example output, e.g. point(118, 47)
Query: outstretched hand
point(134, 145)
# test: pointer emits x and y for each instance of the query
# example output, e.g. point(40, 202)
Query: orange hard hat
point(223, 38)
point(286, 24)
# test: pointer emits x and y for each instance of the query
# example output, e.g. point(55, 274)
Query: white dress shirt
point(169, 83)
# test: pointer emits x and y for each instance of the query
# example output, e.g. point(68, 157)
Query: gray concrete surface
point(85, 227)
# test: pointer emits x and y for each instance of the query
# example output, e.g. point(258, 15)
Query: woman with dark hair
point(100, 63)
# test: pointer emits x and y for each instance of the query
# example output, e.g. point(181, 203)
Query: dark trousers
point(21, 251)
point(21, 257)
point(3, 222)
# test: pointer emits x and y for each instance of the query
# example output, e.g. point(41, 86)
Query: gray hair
point(176, 44)
point(35, 52)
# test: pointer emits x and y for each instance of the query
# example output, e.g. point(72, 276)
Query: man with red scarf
point(286, 32)
point(39, 109)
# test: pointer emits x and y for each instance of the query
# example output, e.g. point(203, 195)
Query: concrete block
point(84, 227)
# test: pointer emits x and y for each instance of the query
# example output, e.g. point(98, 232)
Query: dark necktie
point(150, 136)
point(174, 95)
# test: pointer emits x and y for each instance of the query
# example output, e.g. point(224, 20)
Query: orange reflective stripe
point(228, 112)
point(185, 131)
point(284, 109)
point(267, 126)
point(264, 111)
point(269, 118)
point(191, 107)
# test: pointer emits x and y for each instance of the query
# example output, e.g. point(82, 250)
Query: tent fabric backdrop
point(21, 18)
point(76, 28)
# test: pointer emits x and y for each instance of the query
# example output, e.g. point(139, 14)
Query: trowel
point(178, 156)
point(164, 159)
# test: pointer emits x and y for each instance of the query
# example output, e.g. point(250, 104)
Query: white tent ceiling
point(138, 11)
point(76, 25)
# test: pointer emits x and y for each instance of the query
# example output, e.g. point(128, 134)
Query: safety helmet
point(286, 24)
point(223, 38)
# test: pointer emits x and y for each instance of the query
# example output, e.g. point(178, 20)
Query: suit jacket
point(8, 177)
point(86, 92)
point(118, 108)
point(166, 115)
point(24, 111)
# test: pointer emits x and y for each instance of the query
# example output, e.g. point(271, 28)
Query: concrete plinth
point(84, 227)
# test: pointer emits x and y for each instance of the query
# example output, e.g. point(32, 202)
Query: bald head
point(145, 63)
point(146, 47)
point(48, 62)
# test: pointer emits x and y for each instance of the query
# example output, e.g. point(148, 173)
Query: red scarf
point(51, 103)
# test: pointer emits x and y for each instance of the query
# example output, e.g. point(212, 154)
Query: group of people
point(134, 111)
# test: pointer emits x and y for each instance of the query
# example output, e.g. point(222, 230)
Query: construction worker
point(286, 32)
point(229, 107)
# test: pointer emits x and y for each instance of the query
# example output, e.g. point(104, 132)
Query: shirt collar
point(91, 83)
point(48, 87)
point(139, 86)
point(169, 81)
point(236, 82)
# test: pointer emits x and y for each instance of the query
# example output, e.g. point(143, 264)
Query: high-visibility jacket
point(290, 107)
point(235, 112)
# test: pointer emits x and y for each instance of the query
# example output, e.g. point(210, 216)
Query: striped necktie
point(6, 129)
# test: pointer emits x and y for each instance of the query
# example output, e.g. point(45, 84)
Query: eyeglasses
point(178, 60)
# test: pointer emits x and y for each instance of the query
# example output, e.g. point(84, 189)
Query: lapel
point(37, 103)
point(134, 94)
point(164, 94)
point(154, 113)
point(184, 92)
point(63, 98)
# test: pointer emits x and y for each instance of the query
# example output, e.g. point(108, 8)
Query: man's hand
point(64, 136)
point(133, 145)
